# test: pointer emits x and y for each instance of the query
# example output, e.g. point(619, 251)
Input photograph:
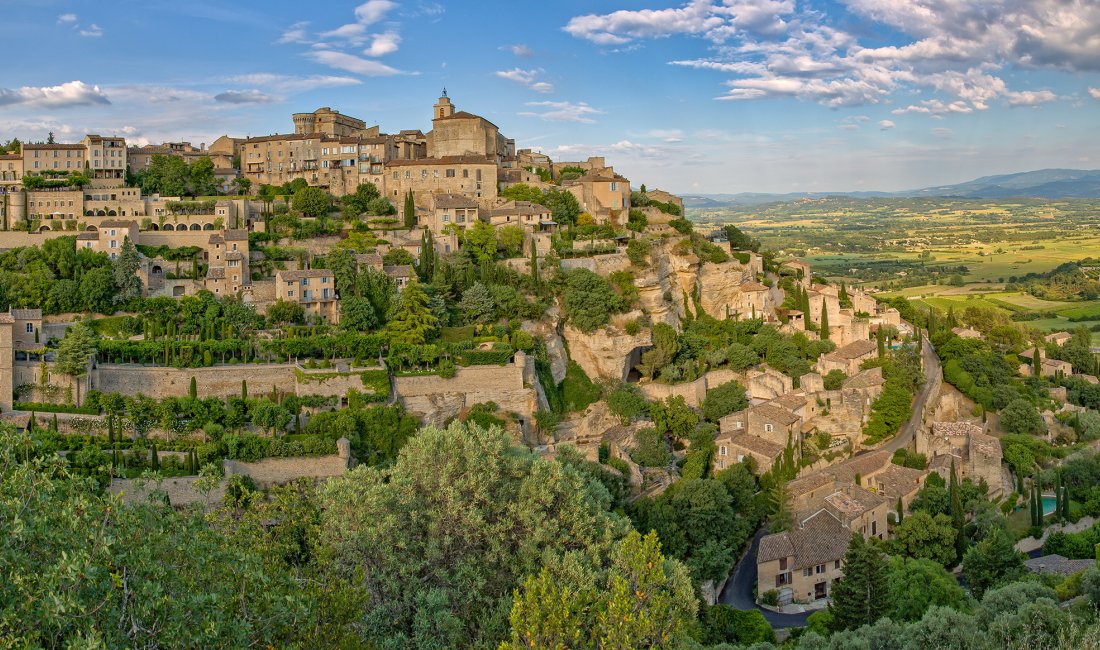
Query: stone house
point(1058, 338)
point(603, 194)
point(804, 563)
point(768, 421)
point(313, 289)
point(227, 262)
point(109, 236)
point(976, 455)
point(848, 358)
point(966, 333)
point(732, 449)
point(530, 216)
point(754, 301)
point(896, 481)
point(401, 274)
point(1055, 368)
point(449, 211)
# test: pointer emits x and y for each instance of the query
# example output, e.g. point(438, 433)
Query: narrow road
point(738, 590)
point(908, 430)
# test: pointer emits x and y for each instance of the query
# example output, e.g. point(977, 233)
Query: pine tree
point(410, 210)
point(413, 323)
point(863, 596)
point(193, 389)
point(824, 321)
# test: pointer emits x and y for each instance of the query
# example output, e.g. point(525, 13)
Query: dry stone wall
point(216, 381)
point(436, 399)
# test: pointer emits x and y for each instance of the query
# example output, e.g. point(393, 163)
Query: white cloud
point(527, 78)
point(291, 83)
point(352, 63)
point(621, 27)
point(66, 18)
point(251, 96)
point(1029, 97)
point(296, 33)
point(353, 32)
point(885, 125)
point(521, 50)
point(373, 11)
point(92, 30)
point(563, 112)
point(383, 44)
point(1095, 92)
point(73, 93)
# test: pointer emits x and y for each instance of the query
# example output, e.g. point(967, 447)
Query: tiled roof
point(806, 484)
point(774, 547)
point(445, 160)
point(790, 401)
point(752, 287)
point(453, 201)
point(757, 445)
point(304, 273)
point(236, 235)
point(854, 350)
point(117, 223)
point(463, 115)
point(819, 540)
point(896, 481)
point(216, 239)
point(776, 413)
point(953, 429)
point(1056, 564)
point(866, 379)
point(215, 273)
point(53, 146)
point(986, 444)
point(399, 271)
point(863, 465)
point(27, 314)
point(520, 207)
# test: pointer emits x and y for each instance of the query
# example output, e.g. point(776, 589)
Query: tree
point(270, 416)
point(243, 185)
point(589, 300)
point(739, 240)
point(73, 353)
point(284, 311)
point(991, 562)
point(193, 389)
point(1021, 416)
point(723, 400)
point(564, 208)
point(674, 416)
point(357, 315)
point(918, 584)
point(480, 242)
point(413, 321)
point(824, 321)
point(508, 514)
point(410, 210)
point(510, 240)
point(125, 273)
point(834, 379)
point(426, 266)
point(724, 624)
point(477, 304)
point(642, 600)
point(922, 536)
point(202, 179)
point(863, 595)
point(311, 202)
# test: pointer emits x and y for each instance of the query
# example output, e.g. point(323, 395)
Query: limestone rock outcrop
point(609, 352)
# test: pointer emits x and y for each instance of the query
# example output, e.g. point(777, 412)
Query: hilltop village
point(195, 324)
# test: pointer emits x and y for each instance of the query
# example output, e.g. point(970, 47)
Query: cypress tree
point(53, 423)
point(1065, 503)
point(1037, 363)
point(863, 596)
point(901, 511)
point(410, 210)
point(154, 460)
point(111, 429)
point(193, 389)
point(1058, 495)
point(958, 519)
point(824, 321)
point(535, 267)
point(1020, 484)
point(880, 340)
point(244, 389)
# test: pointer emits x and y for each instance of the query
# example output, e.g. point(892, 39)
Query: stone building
point(313, 289)
point(325, 121)
point(531, 216)
point(228, 270)
point(768, 421)
point(975, 454)
point(604, 194)
point(731, 449)
point(848, 358)
point(474, 177)
point(448, 212)
point(465, 134)
point(109, 236)
point(11, 169)
point(804, 563)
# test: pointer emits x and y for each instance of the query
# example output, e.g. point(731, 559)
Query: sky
point(705, 96)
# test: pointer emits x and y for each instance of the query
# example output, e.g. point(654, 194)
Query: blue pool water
point(1048, 504)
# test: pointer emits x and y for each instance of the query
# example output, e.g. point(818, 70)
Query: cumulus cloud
point(521, 50)
point(563, 112)
point(352, 63)
point(373, 11)
point(885, 125)
point(945, 51)
point(1095, 92)
point(527, 78)
point(66, 18)
point(73, 93)
point(93, 30)
point(383, 44)
point(251, 96)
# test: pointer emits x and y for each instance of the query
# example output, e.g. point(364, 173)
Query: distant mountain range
point(1043, 183)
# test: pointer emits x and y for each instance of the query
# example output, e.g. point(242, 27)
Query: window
point(722, 450)
point(614, 187)
point(782, 564)
point(450, 173)
point(836, 564)
point(289, 294)
point(465, 172)
point(819, 568)
point(305, 282)
point(874, 528)
point(738, 424)
point(807, 572)
point(768, 428)
point(30, 328)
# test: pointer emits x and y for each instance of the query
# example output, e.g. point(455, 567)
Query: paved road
point(738, 590)
point(908, 430)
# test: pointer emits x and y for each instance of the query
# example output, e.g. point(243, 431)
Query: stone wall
point(278, 471)
point(176, 239)
point(329, 382)
point(601, 264)
point(15, 239)
point(693, 392)
point(435, 399)
point(216, 381)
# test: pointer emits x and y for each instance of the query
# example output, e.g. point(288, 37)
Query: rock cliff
point(607, 353)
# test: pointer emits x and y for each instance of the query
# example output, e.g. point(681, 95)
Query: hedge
point(46, 407)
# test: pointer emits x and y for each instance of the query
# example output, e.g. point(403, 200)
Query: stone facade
point(436, 399)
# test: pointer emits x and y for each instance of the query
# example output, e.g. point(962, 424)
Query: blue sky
point(698, 96)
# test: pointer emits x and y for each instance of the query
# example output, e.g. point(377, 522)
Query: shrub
point(650, 448)
point(723, 400)
point(627, 402)
point(578, 391)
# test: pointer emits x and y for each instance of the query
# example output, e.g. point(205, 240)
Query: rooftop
point(896, 481)
point(757, 445)
point(953, 429)
point(854, 350)
point(790, 401)
point(453, 201)
point(820, 539)
point(775, 413)
point(1056, 564)
point(985, 444)
point(304, 273)
point(866, 379)
point(750, 287)
point(445, 160)
point(26, 314)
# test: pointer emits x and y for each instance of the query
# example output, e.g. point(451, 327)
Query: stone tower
point(444, 107)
